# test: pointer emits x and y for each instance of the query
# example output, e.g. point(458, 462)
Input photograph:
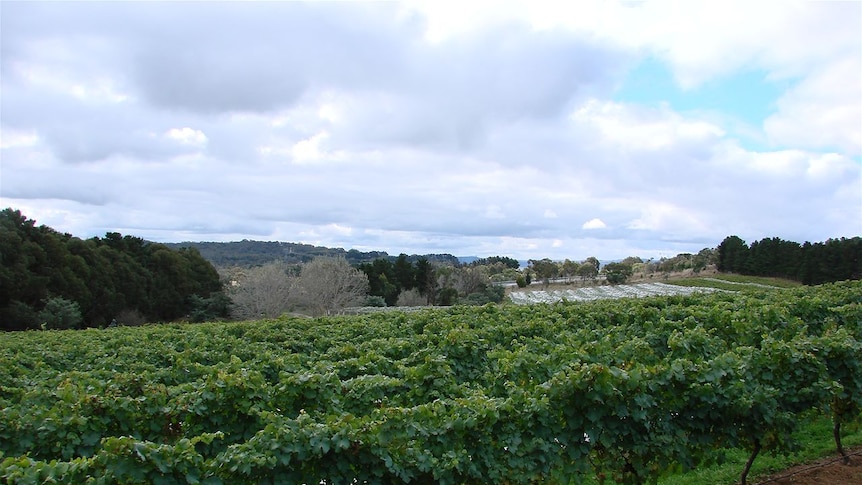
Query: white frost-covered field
point(603, 292)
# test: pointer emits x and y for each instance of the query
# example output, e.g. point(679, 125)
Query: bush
point(448, 296)
point(375, 301)
point(216, 307)
point(130, 318)
point(491, 294)
point(60, 313)
point(521, 282)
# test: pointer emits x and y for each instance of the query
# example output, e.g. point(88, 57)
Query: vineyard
point(590, 293)
point(622, 390)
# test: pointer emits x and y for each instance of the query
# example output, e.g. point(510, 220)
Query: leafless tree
point(472, 280)
point(411, 298)
point(265, 291)
point(328, 285)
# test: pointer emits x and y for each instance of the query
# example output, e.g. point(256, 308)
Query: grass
point(815, 438)
point(733, 282)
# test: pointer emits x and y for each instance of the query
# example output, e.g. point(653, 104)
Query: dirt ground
point(827, 471)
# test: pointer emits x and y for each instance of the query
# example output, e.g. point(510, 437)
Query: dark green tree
point(382, 280)
point(617, 273)
point(405, 275)
point(732, 255)
point(102, 277)
point(426, 280)
point(60, 314)
point(504, 260)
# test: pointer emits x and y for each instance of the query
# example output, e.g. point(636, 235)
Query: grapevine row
point(626, 389)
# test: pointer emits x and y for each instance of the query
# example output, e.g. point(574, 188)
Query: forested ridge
point(248, 253)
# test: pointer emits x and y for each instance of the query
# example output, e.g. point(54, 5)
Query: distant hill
point(247, 253)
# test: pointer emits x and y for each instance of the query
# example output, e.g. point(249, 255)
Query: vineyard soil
point(826, 471)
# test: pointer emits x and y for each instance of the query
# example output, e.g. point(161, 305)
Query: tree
point(545, 269)
point(617, 273)
point(587, 271)
point(382, 280)
point(426, 280)
point(209, 309)
point(411, 298)
point(404, 273)
point(632, 260)
point(471, 280)
point(732, 255)
point(329, 285)
point(569, 269)
point(448, 296)
point(60, 313)
point(702, 259)
point(264, 291)
point(504, 261)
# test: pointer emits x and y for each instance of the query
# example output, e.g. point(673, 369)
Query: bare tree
point(465, 280)
point(329, 285)
point(265, 291)
point(411, 298)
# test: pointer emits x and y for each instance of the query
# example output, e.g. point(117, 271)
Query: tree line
point(809, 263)
point(616, 272)
point(406, 282)
point(54, 280)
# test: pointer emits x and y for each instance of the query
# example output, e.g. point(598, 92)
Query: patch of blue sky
point(741, 101)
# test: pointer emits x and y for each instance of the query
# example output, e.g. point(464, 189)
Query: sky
point(528, 130)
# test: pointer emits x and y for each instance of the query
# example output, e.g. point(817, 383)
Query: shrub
point(448, 296)
point(60, 313)
point(375, 301)
point(131, 318)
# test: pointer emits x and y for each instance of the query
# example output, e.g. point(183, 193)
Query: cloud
point(187, 136)
point(405, 128)
point(594, 224)
point(824, 111)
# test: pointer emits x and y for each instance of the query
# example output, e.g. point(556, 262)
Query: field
point(589, 293)
point(623, 391)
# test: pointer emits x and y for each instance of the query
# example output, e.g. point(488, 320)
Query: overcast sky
point(561, 130)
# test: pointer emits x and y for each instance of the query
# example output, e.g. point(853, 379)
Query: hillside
point(255, 253)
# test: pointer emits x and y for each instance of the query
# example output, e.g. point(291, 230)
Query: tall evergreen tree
point(732, 255)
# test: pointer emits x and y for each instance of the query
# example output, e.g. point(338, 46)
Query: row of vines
point(624, 390)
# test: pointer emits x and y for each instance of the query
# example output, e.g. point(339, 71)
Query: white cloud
point(666, 218)
point(823, 111)
point(310, 149)
point(594, 224)
point(642, 128)
point(15, 138)
point(187, 136)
